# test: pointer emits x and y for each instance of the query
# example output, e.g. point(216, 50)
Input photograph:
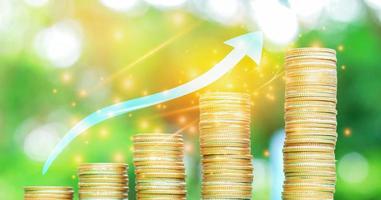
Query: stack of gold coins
point(103, 181)
point(48, 193)
point(310, 120)
point(225, 145)
point(159, 166)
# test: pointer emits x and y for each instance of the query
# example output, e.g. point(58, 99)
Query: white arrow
point(250, 44)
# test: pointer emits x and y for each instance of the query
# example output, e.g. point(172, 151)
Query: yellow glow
point(144, 124)
point(182, 119)
point(54, 91)
point(266, 153)
point(347, 132)
point(82, 93)
point(340, 47)
point(103, 133)
point(78, 159)
point(147, 55)
point(73, 120)
point(316, 44)
point(188, 148)
point(73, 104)
point(118, 157)
point(116, 100)
point(192, 129)
point(270, 97)
point(128, 83)
point(66, 77)
point(118, 35)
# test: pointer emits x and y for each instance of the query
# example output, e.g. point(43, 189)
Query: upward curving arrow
point(250, 44)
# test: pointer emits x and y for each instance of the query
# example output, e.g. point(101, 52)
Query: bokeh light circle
point(166, 3)
point(6, 13)
point(120, 5)
point(224, 11)
point(278, 23)
point(36, 3)
point(308, 11)
point(344, 10)
point(41, 141)
point(60, 44)
point(353, 168)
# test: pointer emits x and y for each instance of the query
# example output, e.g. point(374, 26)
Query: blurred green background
point(62, 60)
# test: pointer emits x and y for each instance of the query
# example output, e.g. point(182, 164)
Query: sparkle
point(118, 35)
point(340, 47)
point(128, 83)
point(188, 148)
point(66, 77)
point(118, 157)
point(78, 159)
point(192, 129)
point(182, 119)
point(116, 100)
point(270, 97)
point(74, 120)
point(82, 93)
point(266, 153)
point(178, 18)
point(73, 177)
point(54, 91)
point(343, 67)
point(316, 44)
point(103, 133)
point(347, 132)
point(144, 124)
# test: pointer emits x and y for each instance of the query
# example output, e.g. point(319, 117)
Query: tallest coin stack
point(310, 120)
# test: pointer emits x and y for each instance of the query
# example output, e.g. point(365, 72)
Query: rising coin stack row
point(103, 181)
point(310, 124)
point(225, 145)
point(159, 166)
point(48, 193)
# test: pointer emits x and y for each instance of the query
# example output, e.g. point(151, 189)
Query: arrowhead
point(250, 44)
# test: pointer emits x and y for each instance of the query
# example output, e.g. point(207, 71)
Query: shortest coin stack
point(159, 166)
point(48, 193)
point(103, 181)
